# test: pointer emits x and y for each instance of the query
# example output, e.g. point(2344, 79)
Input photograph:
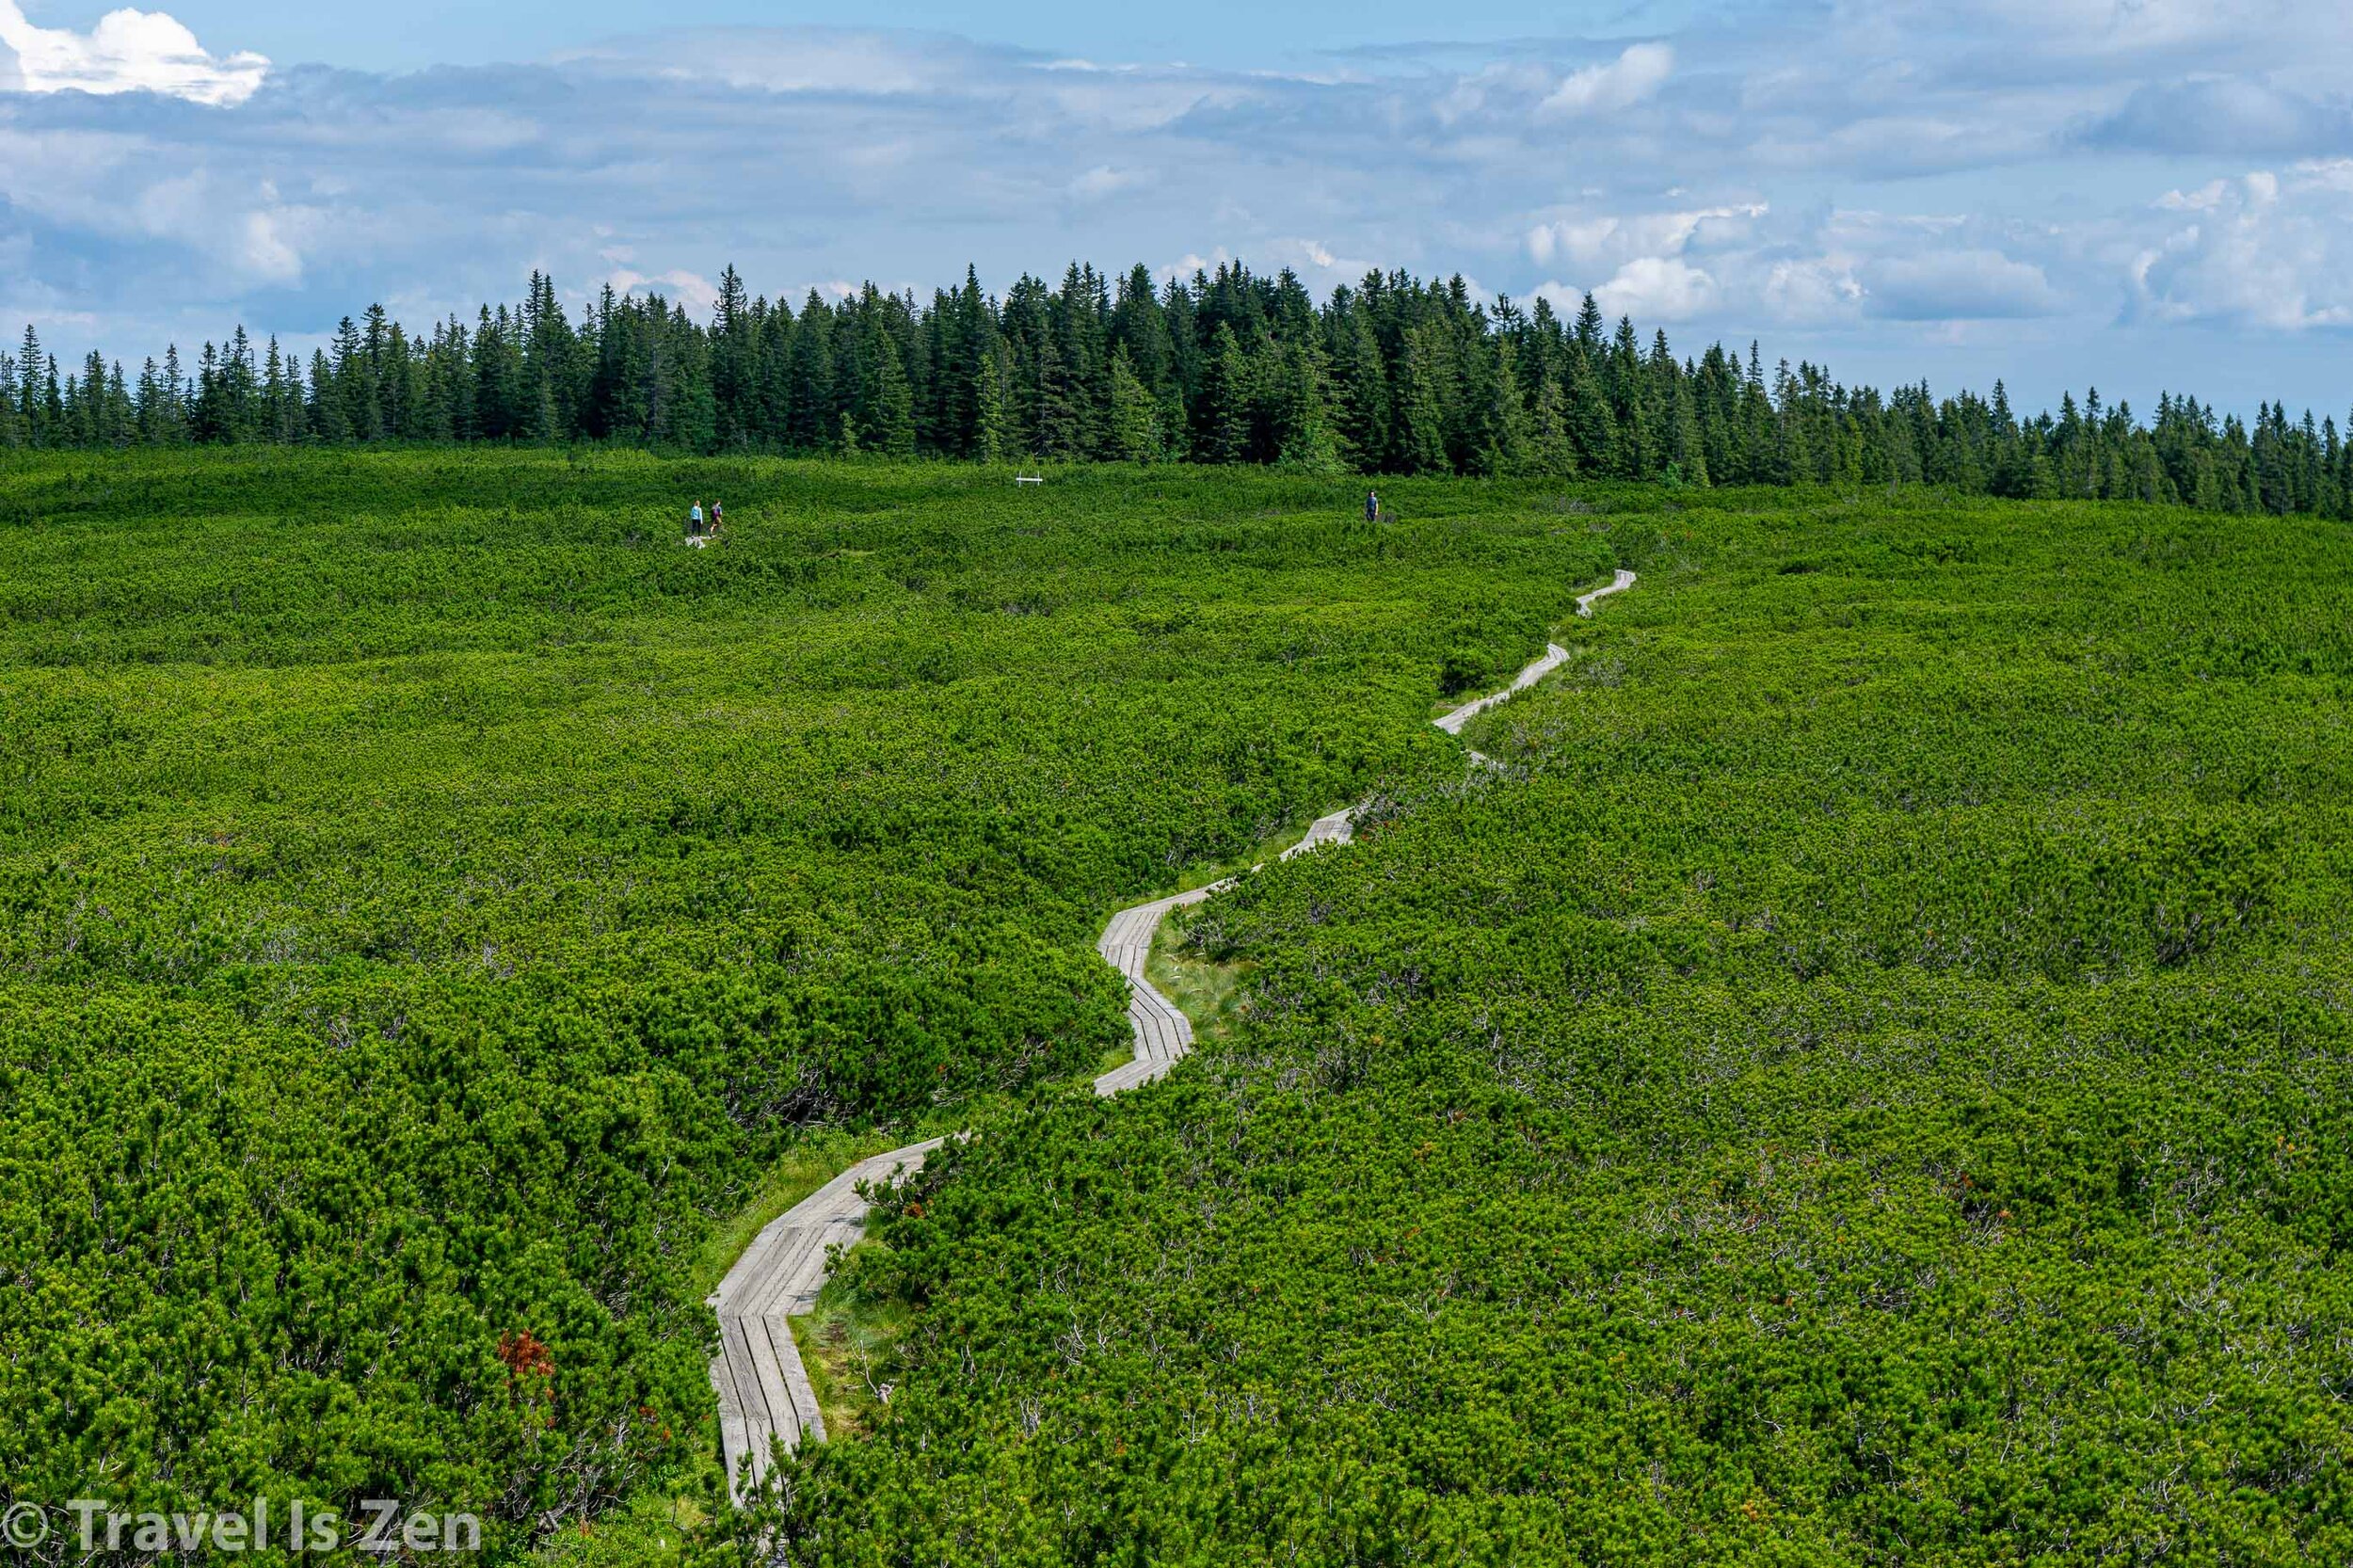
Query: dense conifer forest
point(1394, 376)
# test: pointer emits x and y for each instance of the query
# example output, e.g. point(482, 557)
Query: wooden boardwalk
point(763, 1387)
point(1163, 1032)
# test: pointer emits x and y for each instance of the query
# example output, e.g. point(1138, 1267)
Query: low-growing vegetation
point(435, 900)
point(1861, 1077)
point(1865, 1079)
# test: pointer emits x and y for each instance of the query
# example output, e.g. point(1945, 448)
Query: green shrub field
point(434, 895)
point(1863, 1079)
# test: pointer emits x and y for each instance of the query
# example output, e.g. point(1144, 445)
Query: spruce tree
point(1076, 328)
point(172, 422)
point(1631, 405)
point(1593, 429)
point(1588, 332)
point(206, 420)
point(989, 442)
point(544, 427)
point(1793, 453)
point(1363, 392)
point(1221, 412)
point(1134, 422)
point(327, 421)
point(777, 330)
point(733, 346)
point(968, 350)
point(1420, 421)
point(1504, 433)
point(51, 403)
point(813, 423)
point(1047, 407)
point(1306, 441)
point(686, 414)
point(889, 402)
point(1550, 452)
point(32, 406)
point(1140, 325)
point(1685, 450)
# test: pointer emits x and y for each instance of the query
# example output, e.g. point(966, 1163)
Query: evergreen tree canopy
point(1393, 375)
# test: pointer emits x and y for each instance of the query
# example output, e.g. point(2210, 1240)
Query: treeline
point(1394, 376)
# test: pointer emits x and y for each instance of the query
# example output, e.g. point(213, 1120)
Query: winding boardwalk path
point(764, 1389)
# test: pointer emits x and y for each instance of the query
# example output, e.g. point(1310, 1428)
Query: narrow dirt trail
point(762, 1387)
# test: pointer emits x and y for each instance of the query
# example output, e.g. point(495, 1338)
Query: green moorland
point(1866, 1079)
point(441, 913)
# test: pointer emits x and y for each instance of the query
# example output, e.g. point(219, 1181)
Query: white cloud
point(1627, 80)
point(266, 246)
point(1103, 180)
point(1475, 92)
point(2092, 29)
point(2207, 115)
point(2328, 174)
point(1743, 266)
point(681, 287)
point(800, 60)
point(1957, 285)
point(2208, 195)
point(255, 239)
point(2262, 250)
point(1593, 240)
point(128, 50)
point(1811, 291)
point(1191, 262)
point(112, 187)
point(1656, 288)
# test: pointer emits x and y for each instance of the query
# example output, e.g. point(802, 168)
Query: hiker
point(1372, 508)
point(715, 519)
point(694, 520)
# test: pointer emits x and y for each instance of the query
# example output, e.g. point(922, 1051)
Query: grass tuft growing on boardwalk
point(1212, 995)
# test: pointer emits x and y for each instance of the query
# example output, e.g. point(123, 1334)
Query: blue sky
point(1245, 34)
point(2137, 193)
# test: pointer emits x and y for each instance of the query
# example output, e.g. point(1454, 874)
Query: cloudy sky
point(2139, 194)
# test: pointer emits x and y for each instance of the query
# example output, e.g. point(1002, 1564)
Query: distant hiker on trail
point(715, 519)
point(1372, 508)
point(694, 520)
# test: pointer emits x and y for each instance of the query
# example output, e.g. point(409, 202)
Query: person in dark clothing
point(1372, 508)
